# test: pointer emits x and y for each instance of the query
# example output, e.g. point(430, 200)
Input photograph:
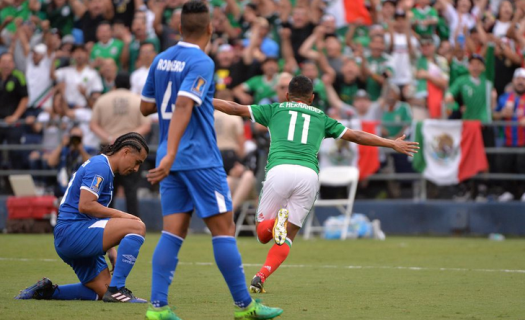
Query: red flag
point(356, 12)
point(368, 162)
point(434, 99)
point(473, 157)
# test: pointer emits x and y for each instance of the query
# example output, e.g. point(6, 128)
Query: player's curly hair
point(132, 139)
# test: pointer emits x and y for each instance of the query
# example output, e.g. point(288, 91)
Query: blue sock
point(75, 291)
point(228, 260)
point(127, 253)
point(164, 264)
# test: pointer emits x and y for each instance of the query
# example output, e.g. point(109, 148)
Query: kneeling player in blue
point(189, 166)
point(87, 229)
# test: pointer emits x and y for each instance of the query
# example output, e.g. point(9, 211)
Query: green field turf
point(400, 278)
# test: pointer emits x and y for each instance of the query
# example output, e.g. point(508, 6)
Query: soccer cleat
point(257, 311)
point(257, 285)
point(42, 290)
point(162, 313)
point(279, 231)
point(121, 295)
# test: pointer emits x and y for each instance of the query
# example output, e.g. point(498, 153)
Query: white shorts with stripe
point(288, 186)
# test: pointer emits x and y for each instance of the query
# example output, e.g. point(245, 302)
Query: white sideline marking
point(206, 264)
point(27, 259)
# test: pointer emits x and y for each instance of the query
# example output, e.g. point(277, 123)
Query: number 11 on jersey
point(293, 122)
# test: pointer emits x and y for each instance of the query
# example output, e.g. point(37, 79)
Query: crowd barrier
point(419, 189)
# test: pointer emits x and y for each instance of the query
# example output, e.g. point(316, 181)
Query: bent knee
point(139, 228)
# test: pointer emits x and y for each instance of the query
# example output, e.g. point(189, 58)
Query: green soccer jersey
point(475, 95)
point(400, 113)
point(424, 14)
point(21, 12)
point(134, 49)
point(321, 97)
point(443, 29)
point(110, 50)
point(377, 65)
point(457, 69)
point(296, 132)
point(61, 18)
point(347, 91)
point(261, 87)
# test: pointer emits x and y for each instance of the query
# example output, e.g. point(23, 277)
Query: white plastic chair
point(248, 212)
point(343, 176)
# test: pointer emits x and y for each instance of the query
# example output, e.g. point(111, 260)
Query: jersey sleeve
point(198, 80)
point(334, 129)
point(261, 113)
point(96, 176)
point(148, 91)
point(501, 102)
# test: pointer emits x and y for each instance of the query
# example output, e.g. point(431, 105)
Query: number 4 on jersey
point(306, 125)
point(165, 114)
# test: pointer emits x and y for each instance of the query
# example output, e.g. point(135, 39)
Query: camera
point(74, 141)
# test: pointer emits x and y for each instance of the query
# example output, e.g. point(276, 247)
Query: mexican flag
point(343, 153)
point(451, 150)
point(349, 11)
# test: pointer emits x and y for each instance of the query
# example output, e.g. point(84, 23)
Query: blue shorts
point(204, 190)
point(79, 244)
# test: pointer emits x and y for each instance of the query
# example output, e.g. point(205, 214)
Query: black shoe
point(42, 290)
point(121, 295)
point(257, 285)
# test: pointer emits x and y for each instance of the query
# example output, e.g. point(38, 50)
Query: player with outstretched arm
point(189, 165)
point(86, 229)
point(291, 184)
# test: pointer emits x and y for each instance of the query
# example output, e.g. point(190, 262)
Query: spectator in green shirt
point(395, 113)
point(130, 53)
point(59, 14)
point(309, 70)
point(424, 18)
point(374, 67)
point(473, 92)
point(260, 87)
point(18, 9)
point(107, 47)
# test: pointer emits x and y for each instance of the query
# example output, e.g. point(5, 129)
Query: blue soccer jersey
point(185, 70)
point(95, 176)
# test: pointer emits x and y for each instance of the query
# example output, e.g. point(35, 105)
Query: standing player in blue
point(189, 165)
point(87, 229)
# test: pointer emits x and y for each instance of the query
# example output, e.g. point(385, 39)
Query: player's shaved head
point(300, 88)
point(195, 19)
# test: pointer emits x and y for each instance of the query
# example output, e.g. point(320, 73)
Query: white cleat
point(279, 228)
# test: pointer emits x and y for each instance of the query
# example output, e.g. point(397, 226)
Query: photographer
point(67, 158)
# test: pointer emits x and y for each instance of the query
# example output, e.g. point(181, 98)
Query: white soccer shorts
point(288, 186)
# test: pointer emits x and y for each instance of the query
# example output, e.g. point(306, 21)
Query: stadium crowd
point(72, 72)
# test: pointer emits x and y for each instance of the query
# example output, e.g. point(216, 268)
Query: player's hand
point(406, 147)
point(112, 255)
point(162, 171)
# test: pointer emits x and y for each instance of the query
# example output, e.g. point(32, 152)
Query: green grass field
point(400, 278)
